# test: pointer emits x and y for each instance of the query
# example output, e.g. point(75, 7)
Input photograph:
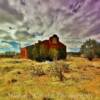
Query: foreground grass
point(29, 80)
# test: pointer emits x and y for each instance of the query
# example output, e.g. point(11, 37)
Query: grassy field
point(72, 79)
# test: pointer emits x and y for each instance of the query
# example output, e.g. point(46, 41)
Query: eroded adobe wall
point(24, 53)
point(45, 50)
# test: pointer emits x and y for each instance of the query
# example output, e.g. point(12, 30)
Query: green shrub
point(90, 49)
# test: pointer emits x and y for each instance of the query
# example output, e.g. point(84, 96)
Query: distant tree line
point(90, 49)
point(9, 54)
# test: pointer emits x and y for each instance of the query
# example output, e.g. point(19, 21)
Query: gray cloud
point(5, 45)
point(68, 18)
point(4, 5)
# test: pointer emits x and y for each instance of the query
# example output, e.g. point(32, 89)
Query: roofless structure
point(51, 49)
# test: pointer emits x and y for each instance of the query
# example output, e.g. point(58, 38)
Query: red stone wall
point(24, 53)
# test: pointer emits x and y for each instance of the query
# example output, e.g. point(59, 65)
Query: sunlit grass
point(22, 79)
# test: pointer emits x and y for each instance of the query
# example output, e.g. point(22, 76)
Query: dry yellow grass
point(19, 80)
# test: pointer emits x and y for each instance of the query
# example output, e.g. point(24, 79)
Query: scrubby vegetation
point(91, 49)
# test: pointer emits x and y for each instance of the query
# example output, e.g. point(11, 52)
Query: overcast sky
point(73, 20)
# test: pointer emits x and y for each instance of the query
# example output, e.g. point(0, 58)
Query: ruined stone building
point(50, 49)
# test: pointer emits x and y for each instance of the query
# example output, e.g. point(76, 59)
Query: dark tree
point(89, 48)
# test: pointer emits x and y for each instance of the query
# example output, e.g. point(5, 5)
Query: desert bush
point(98, 50)
point(65, 67)
point(56, 70)
point(89, 49)
point(89, 54)
point(38, 71)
